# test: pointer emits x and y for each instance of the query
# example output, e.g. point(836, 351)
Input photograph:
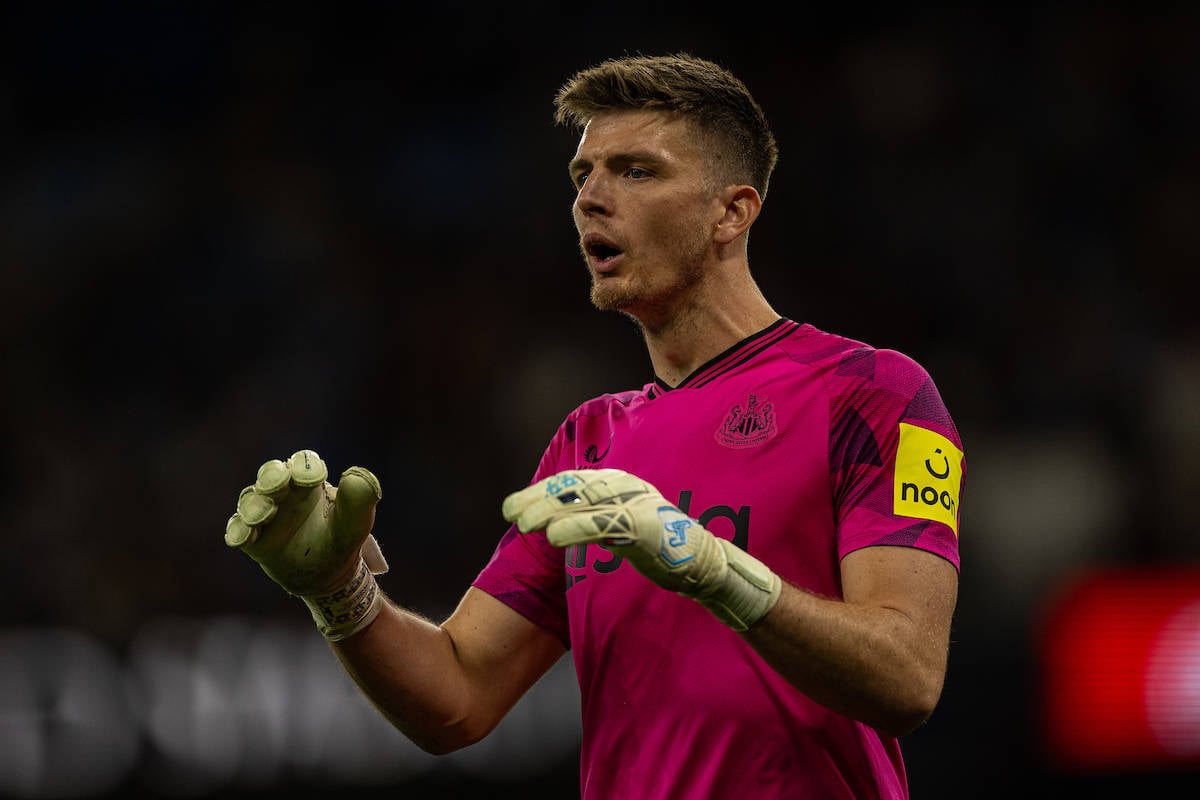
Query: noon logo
point(928, 476)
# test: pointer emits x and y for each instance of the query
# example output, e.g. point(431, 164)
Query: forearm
point(447, 686)
point(869, 662)
point(444, 686)
point(409, 668)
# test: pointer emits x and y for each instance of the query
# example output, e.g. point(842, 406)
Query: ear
point(741, 206)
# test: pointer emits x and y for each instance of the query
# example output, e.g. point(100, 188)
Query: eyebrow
point(617, 161)
point(577, 165)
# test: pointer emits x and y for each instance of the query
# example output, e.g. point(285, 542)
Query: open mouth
point(602, 252)
point(599, 250)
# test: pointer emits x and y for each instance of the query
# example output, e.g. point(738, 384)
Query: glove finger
point(238, 533)
point(550, 492)
point(362, 486)
point(536, 515)
point(354, 504)
point(273, 480)
point(603, 485)
point(254, 508)
point(515, 504)
point(533, 506)
point(601, 525)
point(307, 468)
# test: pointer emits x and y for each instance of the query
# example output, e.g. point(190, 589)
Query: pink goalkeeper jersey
point(798, 445)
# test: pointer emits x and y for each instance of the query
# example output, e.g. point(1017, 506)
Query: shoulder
point(596, 414)
point(609, 403)
point(876, 383)
point(851, 362)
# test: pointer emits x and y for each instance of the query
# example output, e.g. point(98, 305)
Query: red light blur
point(1120, 670)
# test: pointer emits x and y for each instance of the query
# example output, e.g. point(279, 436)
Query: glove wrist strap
point(347, 610)
point(746, 590)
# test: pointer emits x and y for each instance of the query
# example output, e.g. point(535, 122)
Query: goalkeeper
point(752, 559)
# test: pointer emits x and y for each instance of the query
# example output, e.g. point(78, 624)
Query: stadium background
point(230, 232)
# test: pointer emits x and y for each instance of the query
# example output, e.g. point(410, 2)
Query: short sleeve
point(896, 458)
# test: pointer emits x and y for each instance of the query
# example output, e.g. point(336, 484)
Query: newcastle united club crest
point(749, 426)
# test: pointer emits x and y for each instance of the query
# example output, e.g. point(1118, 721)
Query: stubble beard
point(651, 304)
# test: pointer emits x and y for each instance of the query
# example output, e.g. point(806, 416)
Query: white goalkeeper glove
point(314, 539)
point(628, 516)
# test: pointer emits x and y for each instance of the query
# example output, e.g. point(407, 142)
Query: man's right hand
point(314, 539)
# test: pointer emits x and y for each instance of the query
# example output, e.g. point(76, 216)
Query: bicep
point(919, 585)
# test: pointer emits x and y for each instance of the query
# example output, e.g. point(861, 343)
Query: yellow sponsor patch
point(928, 476)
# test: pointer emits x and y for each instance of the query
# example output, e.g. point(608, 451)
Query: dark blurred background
point(229, 232)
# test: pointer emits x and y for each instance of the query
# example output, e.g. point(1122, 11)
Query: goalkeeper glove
point(628, 516)
point(314, 539)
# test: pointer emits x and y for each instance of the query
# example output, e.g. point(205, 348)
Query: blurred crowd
point(228, 235)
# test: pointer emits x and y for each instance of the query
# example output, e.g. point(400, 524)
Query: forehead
point(616, 133)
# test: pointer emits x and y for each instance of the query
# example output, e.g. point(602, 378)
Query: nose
point(593, 196)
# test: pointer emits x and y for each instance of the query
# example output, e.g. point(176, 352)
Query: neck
point(703, 327)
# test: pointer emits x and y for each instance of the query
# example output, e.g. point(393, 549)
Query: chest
point(750, 462)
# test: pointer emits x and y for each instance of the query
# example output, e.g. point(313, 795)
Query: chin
point(609, 298)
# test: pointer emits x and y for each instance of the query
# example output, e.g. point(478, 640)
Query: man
point(787, 501)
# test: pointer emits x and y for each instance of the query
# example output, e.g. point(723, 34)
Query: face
point(644, 211)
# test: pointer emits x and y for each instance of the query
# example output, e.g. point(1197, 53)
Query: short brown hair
point(717, 101)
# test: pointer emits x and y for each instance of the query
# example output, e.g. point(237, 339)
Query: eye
point(578, 179)
point(637, 173)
